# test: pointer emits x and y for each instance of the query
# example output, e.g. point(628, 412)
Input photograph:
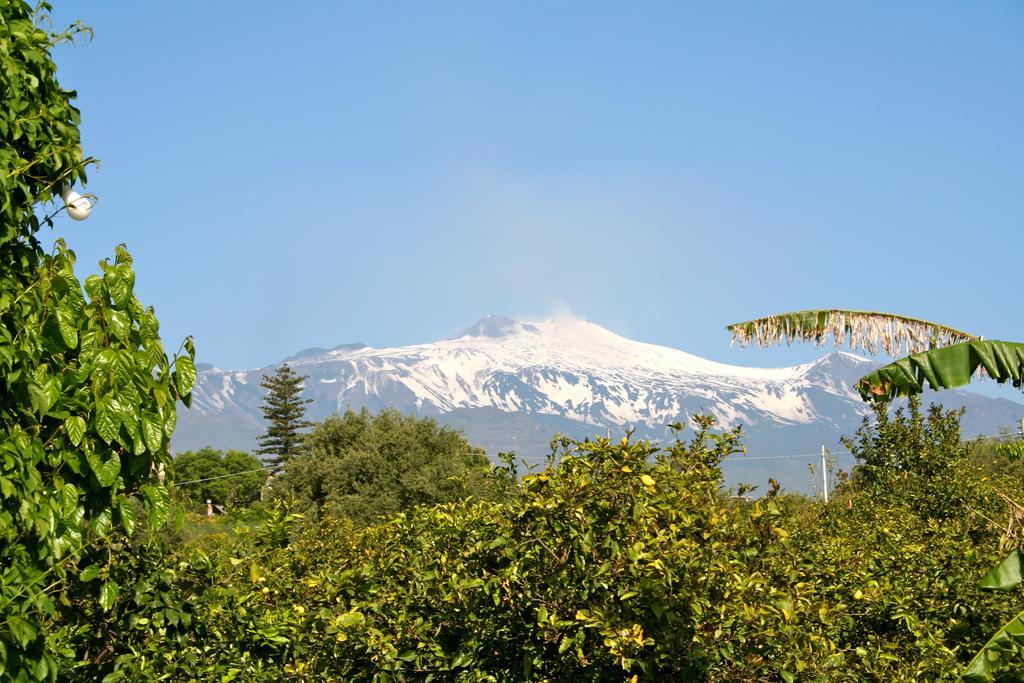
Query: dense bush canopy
point(622, 560)
point(363, 466)
point(87, 392)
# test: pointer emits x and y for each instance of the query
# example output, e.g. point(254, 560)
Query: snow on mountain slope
point(568, 368)
point(512, 385)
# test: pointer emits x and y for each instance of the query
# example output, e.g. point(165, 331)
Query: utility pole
point(824, 472)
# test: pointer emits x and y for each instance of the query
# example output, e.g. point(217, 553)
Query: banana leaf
point(944, 368)
point(865, 330)
point(998, 651)
point(1006, 576)
point(1006, 642)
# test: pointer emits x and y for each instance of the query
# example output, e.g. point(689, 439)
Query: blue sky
point(389, 172)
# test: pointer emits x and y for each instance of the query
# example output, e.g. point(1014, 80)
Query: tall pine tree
point(284, 410)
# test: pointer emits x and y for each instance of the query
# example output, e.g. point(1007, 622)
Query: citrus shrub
point(620, 561)
point(623, 560)
point(887, 573)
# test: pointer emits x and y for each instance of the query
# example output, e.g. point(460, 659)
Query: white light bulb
point(78, 206)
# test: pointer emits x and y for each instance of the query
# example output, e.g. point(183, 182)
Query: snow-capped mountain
point(511, 385)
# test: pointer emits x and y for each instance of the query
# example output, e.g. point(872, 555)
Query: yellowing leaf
point(108, 594)
point(647, 479)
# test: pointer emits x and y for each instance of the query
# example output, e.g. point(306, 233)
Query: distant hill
point(512, 385)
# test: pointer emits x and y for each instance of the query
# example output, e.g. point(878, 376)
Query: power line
point(805, 456)
point(224, 476)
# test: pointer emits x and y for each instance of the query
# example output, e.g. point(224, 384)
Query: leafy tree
point(284, 410)
point(364, 466)
point(916, 458)
point(87, 392)
point(942, 358)
point(231, 476)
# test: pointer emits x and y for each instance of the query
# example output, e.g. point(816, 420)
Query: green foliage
point(913, 459)
point(620, 561)
point(899, 548)
point(946, 368)
point(232, 479)
point(1000, 460)
point(87, 408)
point(607, 565)
point(364, 466)
point(87, 393)
point(283, 409)
point(146, 606)
point(1003, 647)
point(1005, 576)
point(1006, 645)
point(887, 592)
point(39, 138)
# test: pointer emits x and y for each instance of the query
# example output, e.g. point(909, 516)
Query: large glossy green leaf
point(39, 398)
point(127, 514)
point(75, 428)
point(998, 651)
point(66, 323)
point(159, 500)
point(106, 422)
point(152, 432)
point(119, 281)
point(89, 573)
point(108, 594)
point(106, 471)
point(946, 368)
point(1005, 576)
point(184, 374)
point(23, 630)
point(866, 330)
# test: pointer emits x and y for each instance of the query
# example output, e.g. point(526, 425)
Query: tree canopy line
point(359, 465)
point(394, 552)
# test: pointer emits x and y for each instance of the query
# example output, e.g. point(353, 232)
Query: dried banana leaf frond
point(864, 330)
point(946, 368)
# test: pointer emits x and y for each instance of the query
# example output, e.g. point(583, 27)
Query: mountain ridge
point(501, 380)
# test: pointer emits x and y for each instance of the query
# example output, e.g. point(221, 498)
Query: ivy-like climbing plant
point(940, 358)
point(87, 393)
